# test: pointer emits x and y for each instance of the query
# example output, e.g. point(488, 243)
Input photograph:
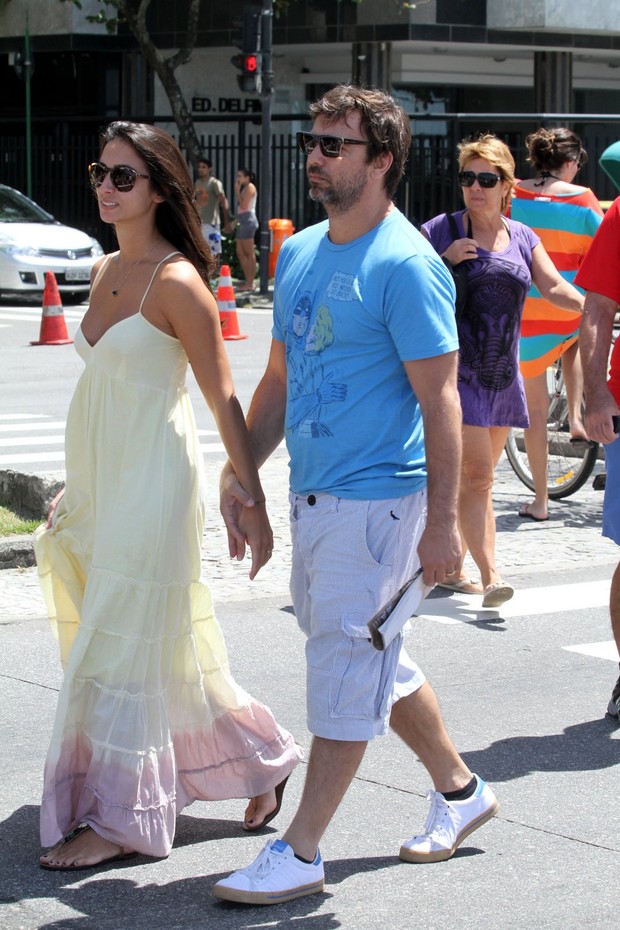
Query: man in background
point(212, 206)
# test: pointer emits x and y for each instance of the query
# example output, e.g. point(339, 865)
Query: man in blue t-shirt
point(361, 380)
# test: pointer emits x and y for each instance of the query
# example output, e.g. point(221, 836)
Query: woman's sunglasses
point(484, 179)
point(331, 146)
point(123, 177)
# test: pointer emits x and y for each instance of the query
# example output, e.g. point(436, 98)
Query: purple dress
point(490, 383)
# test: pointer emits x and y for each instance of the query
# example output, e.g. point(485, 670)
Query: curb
point(17, 552)
point(30, 495)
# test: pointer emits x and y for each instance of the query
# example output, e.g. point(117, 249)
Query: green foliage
point(12, 524)
point(102, 17)
point(229, 256)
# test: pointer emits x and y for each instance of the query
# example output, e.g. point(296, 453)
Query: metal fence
point(61, 151)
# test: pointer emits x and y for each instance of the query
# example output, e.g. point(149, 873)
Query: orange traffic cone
point(53, 327)
point(227, 305)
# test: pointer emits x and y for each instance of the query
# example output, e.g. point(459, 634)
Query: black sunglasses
point(123, 177)
point(484, 178)
point(331, 146)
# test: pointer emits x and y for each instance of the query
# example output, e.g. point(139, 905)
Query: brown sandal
point(78, 868)
point(274, 813)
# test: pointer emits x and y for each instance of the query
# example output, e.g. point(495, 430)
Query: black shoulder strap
point(454, 230)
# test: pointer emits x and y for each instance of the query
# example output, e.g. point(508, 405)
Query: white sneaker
point(275, 876)
point(448, 823)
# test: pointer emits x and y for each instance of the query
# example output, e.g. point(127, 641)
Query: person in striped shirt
point(566, 216)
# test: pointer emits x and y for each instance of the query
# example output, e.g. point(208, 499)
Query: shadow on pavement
point(580, 748)
point(102, 902)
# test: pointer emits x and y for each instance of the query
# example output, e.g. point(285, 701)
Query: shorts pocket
point(363, 678)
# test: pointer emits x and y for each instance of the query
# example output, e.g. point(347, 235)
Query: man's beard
point(340, 196)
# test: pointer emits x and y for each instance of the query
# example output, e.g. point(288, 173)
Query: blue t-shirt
point(349, 315)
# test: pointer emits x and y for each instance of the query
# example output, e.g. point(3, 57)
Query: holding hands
point(246, 521)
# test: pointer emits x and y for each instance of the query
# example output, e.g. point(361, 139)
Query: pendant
point(114, 293)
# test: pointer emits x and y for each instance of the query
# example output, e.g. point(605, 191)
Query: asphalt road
point(523, 691)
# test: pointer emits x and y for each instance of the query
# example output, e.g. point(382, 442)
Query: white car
point(33, 242)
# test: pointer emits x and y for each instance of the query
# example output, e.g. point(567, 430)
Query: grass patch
point(11, 524)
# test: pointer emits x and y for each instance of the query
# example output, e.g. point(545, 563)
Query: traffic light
point(250, 60)
point(249, 65)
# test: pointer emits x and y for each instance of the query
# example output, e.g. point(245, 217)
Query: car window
point(15, 208)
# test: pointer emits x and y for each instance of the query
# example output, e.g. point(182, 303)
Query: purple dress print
point(489, 381)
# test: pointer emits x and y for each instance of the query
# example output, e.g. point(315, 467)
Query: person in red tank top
point(599, 275)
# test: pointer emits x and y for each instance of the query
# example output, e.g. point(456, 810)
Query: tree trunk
point(165, 67)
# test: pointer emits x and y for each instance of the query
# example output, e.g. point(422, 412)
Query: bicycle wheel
point(569, 467)
point(570, 464)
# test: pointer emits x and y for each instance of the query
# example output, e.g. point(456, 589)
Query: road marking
point(22, 427)
point(606, 650)
point(35, 320)
point(22, 441)
point(458, 608)
point(29, 458)
point(35, 423)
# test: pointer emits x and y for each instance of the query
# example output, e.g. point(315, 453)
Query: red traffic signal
point(249, 65)
point(249, 62)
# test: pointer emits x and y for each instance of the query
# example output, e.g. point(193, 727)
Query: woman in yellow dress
point(149, 717)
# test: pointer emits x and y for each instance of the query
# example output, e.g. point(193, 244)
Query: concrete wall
point(211, 77)
point(385, 12)
point(48, 17)
point(557, 15)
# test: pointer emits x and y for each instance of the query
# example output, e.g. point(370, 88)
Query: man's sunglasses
point(123, 177)
point(484, 179)
point(331, 146)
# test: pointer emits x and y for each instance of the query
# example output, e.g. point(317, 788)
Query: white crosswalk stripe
point(604, 650)
point(461, 608)
point(10, 315)
point(17, 448)
point(528, 602)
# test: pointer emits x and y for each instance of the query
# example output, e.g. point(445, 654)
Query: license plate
point(77, 274)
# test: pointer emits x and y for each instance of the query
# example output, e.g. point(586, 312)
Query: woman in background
point(502, 258)
point(565, 216)
point(246, 194)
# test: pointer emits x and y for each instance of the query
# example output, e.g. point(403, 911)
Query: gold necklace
point(132, 266)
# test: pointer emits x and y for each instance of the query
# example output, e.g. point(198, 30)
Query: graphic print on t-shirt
point(489, 326)
point(311, 386)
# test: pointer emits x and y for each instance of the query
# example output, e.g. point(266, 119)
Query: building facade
point(457, 66)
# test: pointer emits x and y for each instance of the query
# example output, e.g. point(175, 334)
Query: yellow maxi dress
point(149, 717)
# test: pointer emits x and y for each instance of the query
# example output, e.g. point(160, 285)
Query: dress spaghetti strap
point(102, 268)
point(157, 267)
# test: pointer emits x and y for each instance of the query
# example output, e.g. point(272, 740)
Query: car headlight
point(96, 249)
point(12, 248)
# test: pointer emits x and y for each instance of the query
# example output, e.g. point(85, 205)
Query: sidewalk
point(571, 537)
